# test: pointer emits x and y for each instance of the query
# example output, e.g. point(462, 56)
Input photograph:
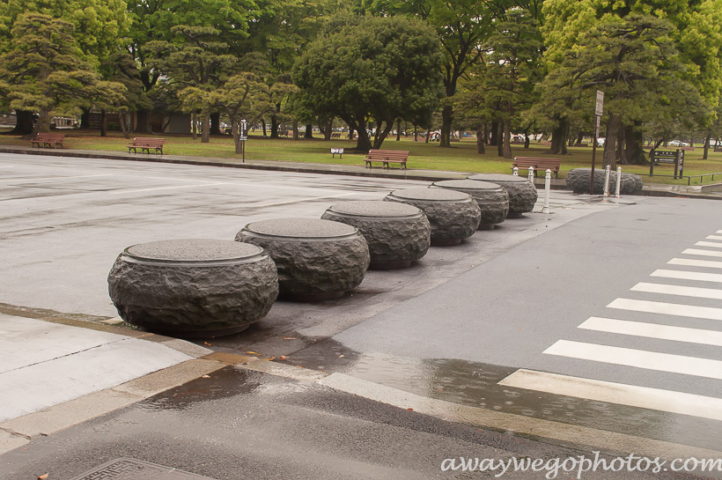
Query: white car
point(677, 143)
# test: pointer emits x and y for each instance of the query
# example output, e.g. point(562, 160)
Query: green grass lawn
point(461, 157)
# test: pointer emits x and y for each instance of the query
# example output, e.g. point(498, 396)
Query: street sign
point(600, 104)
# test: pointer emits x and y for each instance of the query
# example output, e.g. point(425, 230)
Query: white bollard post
point(531, 175)
point(606, 180)
point(515, 172)
point(547, 190)
point(619, 181)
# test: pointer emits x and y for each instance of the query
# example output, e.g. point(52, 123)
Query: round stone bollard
point(522, 193)
point(316, 259)
point(453, 215)
point(193, 288)
point(397, 234)
point(492, 199)
point(578, 181)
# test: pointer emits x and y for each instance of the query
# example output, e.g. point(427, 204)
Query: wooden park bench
point(146, 145)
point(687, 149)
point(524, 163)
point(385, 157)
point(47, 140)
point(336, 135)
point(718, 148)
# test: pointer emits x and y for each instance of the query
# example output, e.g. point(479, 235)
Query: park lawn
point(460, 157)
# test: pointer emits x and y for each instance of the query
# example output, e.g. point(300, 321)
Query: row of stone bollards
point(204, 288)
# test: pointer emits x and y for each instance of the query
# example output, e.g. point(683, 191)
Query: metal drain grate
point(131, 469)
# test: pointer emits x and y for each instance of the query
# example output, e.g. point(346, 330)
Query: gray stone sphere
point(522, 193)
point(316, 259)
point(578, 181)
point(492, 199)
point(193, 288)
point(397, 234)
point(453, 216)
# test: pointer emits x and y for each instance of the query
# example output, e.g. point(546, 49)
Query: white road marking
point(713, 293)
point(253, 185)
point(662, 362)
point(653, 330)
point(707, 253)
point(663, 308)
point(695, 263)
point(119, 192)
point(642, 397)
point(709, 244)
point(715, 237)
point(683, 275)
point(52, 179)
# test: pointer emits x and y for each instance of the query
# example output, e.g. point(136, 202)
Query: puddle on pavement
point(476, 385)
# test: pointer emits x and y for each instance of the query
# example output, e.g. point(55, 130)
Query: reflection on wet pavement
point(476, 384)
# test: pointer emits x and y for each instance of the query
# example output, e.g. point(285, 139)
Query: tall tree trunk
point(500, 139)
point(559, 137)
point(236, 133)
point(295, 129)
point(416, 134)
point(43, 123)
point(507, 138)
point(621, 142)
point(494, 130)
point(382, 134)
point(103, 123)
point(85, 119)
point(263, 123)
point(634, 142)
point(216, 124)
point(363, 142)
point(206, 136)
point(428, 134)
point(123, 126)
point(274, 126)
point(309, 132)
point(350, 133)
point(447, 120)
point(24, 123)
point(706, 146)
point(143, 125)
point(610, 143)
point(480, 140)
point(194, 126)
point(398, 130)
point(580, 137)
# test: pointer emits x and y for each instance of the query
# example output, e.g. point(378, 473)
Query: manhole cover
point(130, 469)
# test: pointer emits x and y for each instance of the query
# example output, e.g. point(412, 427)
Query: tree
point(195, 58)
point(44, 67)
point(372, 70)
point(97, 28)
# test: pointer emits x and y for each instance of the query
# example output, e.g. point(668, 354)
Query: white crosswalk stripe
point(642, 397)
point(653, 330)
point(683, 303)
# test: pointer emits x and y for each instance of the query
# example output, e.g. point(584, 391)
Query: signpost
point(673, 157)
point(243, 138)
point(598, 112)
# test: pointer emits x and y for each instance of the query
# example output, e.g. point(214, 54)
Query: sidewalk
point(709, 192)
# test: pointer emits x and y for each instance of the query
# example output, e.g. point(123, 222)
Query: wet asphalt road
point(240, 425)
point(451, 327)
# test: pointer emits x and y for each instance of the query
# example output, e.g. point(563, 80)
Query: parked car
point(677, 143)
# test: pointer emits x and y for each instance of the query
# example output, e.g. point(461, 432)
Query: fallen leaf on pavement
point(410, 409)
point(283, 357)
point(252, 353)
point(289, 338)
point(43, 476)
point(205, 376)
point(206, 344)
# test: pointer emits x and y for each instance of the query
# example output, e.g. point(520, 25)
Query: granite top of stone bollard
point(431, 194)
point(193, 250)
point(375, 209)
point(301, 228)
point(466, 185)
point(497, 177)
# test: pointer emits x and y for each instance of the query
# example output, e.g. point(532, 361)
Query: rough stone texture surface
point(578, 181)
point(452, 215)
point(311, 266)
point(193, 288)
point(492, 199)
point(396, 233)
point(522, 194)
